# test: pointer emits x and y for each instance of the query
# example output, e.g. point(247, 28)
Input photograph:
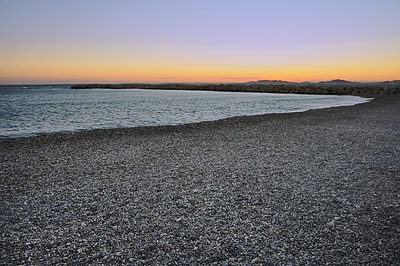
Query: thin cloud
point(167, 77)
point(241, 78)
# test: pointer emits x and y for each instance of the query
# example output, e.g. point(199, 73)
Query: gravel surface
point(313, 188)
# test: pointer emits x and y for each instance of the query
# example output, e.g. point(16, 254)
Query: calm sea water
point(32, 110)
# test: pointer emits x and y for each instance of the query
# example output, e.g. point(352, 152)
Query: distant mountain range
point(334, 81)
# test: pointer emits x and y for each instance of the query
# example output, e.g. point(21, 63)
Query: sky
point(91, 41)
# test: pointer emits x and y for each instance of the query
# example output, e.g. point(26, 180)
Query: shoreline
point(314, 187)
point(366, 99)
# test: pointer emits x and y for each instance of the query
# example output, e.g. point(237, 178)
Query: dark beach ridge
point(324, 88)
point(313, 188)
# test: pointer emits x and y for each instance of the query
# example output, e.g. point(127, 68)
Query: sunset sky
point(71, 41)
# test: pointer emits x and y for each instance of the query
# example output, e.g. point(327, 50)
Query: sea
point(30, 110)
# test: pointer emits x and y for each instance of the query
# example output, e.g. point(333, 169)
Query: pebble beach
point(320, 187)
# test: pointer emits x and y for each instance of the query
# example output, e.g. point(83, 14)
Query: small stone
point(273, 246)
point(255, 260)
point(331, 223)
point(179, 219)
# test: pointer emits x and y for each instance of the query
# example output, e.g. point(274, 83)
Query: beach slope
point(318, 187)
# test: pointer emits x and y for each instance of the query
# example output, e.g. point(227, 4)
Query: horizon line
point(188, 82)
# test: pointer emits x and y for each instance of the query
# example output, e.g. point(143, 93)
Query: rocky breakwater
point(358, 89)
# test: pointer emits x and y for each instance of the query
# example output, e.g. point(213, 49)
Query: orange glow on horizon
point(91, 70)
point(85, 65)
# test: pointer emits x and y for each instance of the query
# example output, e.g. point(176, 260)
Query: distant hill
point(337, 81)
point(271, 82)
point(274, 81)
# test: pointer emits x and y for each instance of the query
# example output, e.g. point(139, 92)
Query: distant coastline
point(333, 87)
